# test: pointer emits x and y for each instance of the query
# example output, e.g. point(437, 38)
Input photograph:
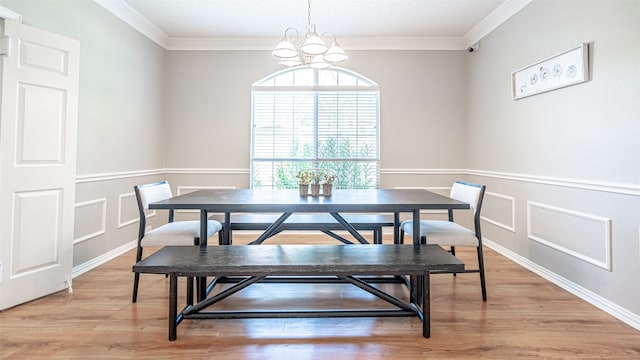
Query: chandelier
point(292, 51)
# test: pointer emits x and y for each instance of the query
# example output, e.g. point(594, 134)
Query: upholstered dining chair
point(449, 233)
point(176, 233)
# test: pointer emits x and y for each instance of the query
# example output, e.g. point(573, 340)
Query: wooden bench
point(321, 222)
point(255, 263)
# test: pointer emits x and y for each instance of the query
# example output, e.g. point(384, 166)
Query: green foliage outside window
point(351, 172)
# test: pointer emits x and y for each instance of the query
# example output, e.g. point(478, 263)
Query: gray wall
point(563, 166)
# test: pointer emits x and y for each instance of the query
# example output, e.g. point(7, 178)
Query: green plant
point(304, 177)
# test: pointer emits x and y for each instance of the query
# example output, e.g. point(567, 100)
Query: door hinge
point(5, 46)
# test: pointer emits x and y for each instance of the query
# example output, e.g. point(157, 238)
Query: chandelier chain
point(308, 14)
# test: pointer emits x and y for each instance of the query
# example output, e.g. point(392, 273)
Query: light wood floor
point(525, 317)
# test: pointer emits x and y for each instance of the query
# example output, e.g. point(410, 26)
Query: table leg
point(396, 227)
point(173, 306)
point(416, 228)
point(226, 240)
point(203, 229)
point(201, 282)
point(426, 306)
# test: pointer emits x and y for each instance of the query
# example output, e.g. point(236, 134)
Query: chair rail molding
point(80, 179)
point(584, 184)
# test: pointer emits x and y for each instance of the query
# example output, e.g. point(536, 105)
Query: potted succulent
point(304, 179)
point(327, 185)
point(316, 178)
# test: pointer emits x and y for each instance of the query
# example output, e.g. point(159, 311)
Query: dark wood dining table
point(287, 202)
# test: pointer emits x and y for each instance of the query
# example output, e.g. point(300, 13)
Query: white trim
point(428, 188)
point(102, 259)
point(10, 15)
point(121, 223)
point(583, 184)
point(103, 225)
point(80, 179)
point(130, 16)
point(180, 189)
point(206, 171)
point(424, 172)
point(606, 264)
point(594, 299)
point(511, 227)
point(497, 17)
point(617, 188)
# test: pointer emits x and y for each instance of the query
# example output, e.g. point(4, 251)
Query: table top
point(249, 200)
point(260, 260)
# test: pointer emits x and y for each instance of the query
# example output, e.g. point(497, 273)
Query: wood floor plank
point(525, 317)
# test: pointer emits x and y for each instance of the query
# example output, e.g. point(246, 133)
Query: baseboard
point(594, 299)
point(95, 262)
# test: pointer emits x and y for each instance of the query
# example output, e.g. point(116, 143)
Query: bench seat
point(343, 261)
point(301, 222)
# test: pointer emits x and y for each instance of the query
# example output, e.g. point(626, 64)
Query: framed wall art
point(567, 68)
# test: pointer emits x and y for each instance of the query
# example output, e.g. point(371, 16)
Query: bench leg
point(173, 306)
point(426, 305)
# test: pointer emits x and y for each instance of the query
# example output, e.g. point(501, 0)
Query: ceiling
point(180, 24)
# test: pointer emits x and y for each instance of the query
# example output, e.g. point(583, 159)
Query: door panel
point(37, 162)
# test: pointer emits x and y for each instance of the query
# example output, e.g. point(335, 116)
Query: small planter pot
point(327, 189)
point(315, 190)
point(304, 189)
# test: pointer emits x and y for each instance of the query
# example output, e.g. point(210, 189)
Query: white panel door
point(38, 125)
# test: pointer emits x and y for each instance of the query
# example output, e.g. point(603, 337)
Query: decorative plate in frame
point(567, 68)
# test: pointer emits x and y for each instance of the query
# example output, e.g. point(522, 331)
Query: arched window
point(306, 118)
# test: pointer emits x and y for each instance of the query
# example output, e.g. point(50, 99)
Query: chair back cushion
point(466, 192)
point(151, 193)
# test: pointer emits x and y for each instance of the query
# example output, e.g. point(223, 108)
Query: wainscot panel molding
point(87, 208)
point(594, 299)
point(492, 200)
point(97, 261)
point(583, 236)
point(126, 202)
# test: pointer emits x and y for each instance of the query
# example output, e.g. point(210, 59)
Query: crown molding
point(386, 43)
point(496, 18)
point(10, 15)
point(130, 16)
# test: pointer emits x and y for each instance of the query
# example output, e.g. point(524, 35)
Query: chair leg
point(136, 280)
point(401, 240)
point(453, 252)
point(482, 279)
point(136, 277)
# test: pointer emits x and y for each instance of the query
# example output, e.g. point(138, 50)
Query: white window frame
point(353, 86)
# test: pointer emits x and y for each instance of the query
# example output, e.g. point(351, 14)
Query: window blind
point(315, 127)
